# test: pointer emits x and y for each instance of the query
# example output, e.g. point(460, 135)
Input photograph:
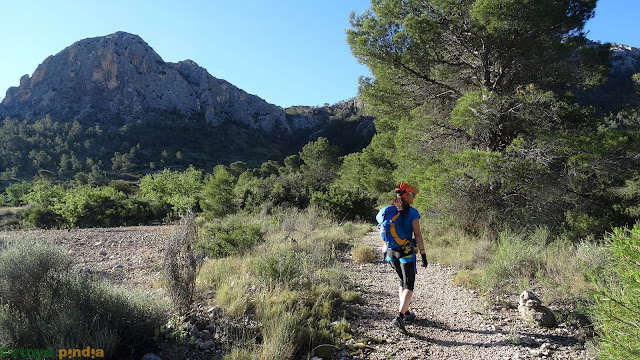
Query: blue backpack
point(391, 232)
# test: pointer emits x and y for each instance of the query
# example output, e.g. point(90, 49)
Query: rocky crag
point(625, 58)
point(619, 90)
point(119, 76)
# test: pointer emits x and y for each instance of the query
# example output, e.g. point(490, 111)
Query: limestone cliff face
point(625, 58)
point(120, 76)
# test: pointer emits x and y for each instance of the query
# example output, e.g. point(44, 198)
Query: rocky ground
point(453, 323)
point(126, 255)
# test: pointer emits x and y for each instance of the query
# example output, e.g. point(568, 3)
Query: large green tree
point(473, 99)
point(419, 51)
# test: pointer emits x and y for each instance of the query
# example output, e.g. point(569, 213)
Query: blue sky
point(288, 52)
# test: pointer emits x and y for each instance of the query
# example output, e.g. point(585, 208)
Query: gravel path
point(452, 322)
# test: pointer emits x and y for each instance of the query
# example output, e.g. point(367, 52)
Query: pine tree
point(473, 105)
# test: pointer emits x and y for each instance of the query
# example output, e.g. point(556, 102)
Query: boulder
point(533, 312)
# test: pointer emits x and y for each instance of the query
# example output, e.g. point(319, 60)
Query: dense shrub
point(47, 305)
point(228, 237)
point(346, 204)
point(173, 190)
point(44, 194)
point(124, 187)
point(39, 216)
point(16, 191)
point(616, 308)
point(292, 189)
point(52, 205)
point(217, 194)
point(90, 206)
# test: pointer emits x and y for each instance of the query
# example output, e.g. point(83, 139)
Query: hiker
point(400, 250)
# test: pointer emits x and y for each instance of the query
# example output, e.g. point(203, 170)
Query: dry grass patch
point(453, 247)
point(363, 254)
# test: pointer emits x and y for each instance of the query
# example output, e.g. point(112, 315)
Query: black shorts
point(406, 270)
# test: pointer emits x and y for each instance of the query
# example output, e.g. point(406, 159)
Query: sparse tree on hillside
point(217, 195)
point(237, 168)
point(321, 161)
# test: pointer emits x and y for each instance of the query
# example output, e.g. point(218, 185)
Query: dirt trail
point(452, 322)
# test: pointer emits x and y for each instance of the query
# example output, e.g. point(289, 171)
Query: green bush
point(40, 217)
point(16, 191)
point(87, 206)
point(280, 265)
point(516, 258)
point(29, 273)
point(124, 187)
point(228, 237)
point(174, 191)
point(217, 193)
point(616, 308)
point(346, 204)
point(90, 206)
point(43, 193)
point(47, 305)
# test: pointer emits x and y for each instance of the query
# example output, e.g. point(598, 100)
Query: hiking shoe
point(398, 323)
point(409, 318)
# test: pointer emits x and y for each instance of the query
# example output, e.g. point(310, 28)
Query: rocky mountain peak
point(119, 76)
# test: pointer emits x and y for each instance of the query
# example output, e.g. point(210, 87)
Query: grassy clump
point(363, 254)
point(47, 305)
point(454, 247)
point(289, 282)
point(616, 307)
point(516, 258)
point(279, 265)
point(239, 354)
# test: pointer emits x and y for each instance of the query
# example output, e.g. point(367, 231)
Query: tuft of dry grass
point(455, 248)
point(363, 254)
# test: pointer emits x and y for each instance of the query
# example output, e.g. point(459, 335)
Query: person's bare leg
point(405, 300)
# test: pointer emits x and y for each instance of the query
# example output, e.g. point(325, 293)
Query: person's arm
point(415, 224)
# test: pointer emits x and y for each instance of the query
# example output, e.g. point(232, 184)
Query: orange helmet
point(405, 189)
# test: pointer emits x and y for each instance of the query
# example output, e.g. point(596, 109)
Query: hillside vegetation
point(92, 153)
